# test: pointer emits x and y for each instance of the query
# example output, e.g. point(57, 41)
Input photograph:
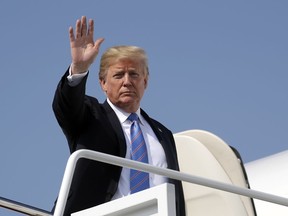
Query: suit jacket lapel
point(116, 127)
point(158, 132)
point(164, 140)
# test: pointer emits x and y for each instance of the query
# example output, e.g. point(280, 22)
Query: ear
point(103, 85)
point(146, 82)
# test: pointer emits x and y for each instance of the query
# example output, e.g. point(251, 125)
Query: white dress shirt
point(156, 154)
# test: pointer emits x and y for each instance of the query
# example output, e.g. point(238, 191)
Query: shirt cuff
point(75, 79)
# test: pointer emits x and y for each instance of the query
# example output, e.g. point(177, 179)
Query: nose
point(126, 79)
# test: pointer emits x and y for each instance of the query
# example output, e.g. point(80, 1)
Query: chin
point(128, 100)
point(128, 105)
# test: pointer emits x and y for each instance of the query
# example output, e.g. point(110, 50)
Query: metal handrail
point(22, 208)
point(110, 159)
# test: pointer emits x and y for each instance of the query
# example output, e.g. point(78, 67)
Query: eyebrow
point(116, 70)
point(125, 68)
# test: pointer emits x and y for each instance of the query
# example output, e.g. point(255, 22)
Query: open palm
point(83, 48)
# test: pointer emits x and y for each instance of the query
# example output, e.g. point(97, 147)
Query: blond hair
point(118, 53)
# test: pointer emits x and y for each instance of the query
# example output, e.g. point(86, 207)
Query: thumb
point(98, 43)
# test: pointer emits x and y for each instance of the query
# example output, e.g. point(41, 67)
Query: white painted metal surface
point(156, 201)
point(222, 154)
point(270, 175)
point(196, 159)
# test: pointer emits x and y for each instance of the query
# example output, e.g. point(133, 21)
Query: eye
point(118, 75)
point(134, 74)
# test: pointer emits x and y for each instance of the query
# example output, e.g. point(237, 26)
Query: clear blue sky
point(219, 66)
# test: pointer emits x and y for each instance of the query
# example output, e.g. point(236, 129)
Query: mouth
point(128, 93)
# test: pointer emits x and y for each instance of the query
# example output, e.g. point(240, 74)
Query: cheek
point(112, 88)
point(141, 90)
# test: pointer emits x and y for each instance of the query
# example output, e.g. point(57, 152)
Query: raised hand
point(83, 48)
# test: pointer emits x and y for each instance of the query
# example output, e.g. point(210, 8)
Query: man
point(88, 124)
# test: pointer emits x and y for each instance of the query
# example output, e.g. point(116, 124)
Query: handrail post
point(66, 182)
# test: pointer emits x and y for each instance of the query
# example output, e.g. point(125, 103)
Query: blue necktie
point(138, 180)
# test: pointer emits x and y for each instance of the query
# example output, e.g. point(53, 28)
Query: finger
point(78, 29)
point(83, 26)
point(71, 34)
point(91, 28)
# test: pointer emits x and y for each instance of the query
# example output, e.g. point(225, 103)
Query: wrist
point(78, 68)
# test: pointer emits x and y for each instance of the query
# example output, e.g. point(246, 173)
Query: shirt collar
point(122, 115)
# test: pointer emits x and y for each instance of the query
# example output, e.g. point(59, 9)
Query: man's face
point(125, 85)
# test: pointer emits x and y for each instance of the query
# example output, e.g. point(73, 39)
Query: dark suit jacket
point(87, 124)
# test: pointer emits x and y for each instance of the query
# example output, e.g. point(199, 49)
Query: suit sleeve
point(69, 108)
